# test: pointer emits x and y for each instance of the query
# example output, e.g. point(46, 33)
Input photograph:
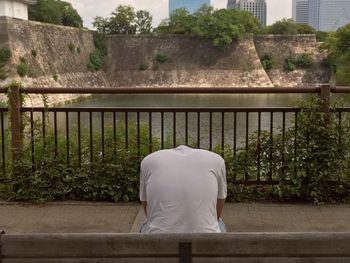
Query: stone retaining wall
point(281, 47)
point(54, 56)
point(63, 53)
point(192, 62)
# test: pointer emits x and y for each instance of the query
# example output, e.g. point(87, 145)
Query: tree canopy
point(124, 20)
point(288, 27)
point(337, 44)
point(222, 26)
point(55, 12)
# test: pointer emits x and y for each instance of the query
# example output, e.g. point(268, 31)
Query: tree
point(55, 12)
point(143, 22)
point(101, 24)
point(337, 45)
point(124, 20)
point(321, 36)
point(46, 11)
point(221, 26)
point(70, 16)
point(288, 27)
point(305, 29)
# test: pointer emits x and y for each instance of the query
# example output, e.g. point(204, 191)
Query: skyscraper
point(256, 7)
point(301, 11)
point(231, 4)
point(190, 5)
point(328, 15)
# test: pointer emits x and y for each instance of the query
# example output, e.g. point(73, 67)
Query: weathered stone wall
point(4, 38)
point(193, 62)
point(281, 47)
point(54, 57)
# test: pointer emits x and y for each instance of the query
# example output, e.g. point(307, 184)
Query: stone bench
point(183, 248)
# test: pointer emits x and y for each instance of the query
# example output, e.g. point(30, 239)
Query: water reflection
point(210, 133)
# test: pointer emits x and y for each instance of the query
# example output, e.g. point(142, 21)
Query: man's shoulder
point(211, 155)
point(154, 156)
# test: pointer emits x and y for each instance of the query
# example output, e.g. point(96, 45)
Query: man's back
point(181, 187)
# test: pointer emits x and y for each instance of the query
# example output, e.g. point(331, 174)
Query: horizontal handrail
point(185, 90)
point(168, 109)
point(168, 90)
point(161, 109)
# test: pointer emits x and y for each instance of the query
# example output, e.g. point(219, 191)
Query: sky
point(88, 9)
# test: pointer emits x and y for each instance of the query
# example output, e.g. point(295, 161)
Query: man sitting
point(183, 190)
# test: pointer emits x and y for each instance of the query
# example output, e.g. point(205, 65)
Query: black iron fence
point(88, 134)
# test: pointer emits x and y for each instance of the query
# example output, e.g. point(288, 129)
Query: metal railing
point(226, 130)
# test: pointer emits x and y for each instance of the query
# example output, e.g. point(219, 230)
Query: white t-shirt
point(181, 187)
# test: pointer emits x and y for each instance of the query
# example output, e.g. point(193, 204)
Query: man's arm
point(219, 207)
point(144, 205)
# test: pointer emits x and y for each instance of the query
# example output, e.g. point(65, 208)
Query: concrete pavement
point(83, 217)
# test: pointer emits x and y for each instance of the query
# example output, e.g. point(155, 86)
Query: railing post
point(15, 105)
point(325, 97)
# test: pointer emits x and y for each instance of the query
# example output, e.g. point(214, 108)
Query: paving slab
point(83, 217)
point(78, 217)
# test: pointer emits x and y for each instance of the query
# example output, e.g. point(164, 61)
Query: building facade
point(256, 7)
point(15, 8)
point(328, 15)
point(231, 4)
point(301, 11)
point(191, 5)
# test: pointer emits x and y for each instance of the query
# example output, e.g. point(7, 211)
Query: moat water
point(196, 101)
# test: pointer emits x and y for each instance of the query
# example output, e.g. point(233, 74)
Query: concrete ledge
point(139, 219)
point(71, 247)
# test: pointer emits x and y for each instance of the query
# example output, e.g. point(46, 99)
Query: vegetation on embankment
point(337, 44)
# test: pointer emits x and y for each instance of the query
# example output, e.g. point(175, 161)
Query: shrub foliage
point(98, 55)
point(221, 26)
point(293, 62)
point(304, 160)
point(268, 62)
point(5, 55)
point(337, 44)
point(23, 68)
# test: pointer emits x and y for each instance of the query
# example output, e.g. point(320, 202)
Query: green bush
point(298, 61)
point(96, 60)
point(71, 47)
point(321, 36)
point(23, 68)
point(303, 172)
point(5, 55)
point(304, 60)
point(78, 50)
point(290, 64)
point(342, 74)
point(337, 46)
point(161, 57)
point(222, 27)
point(268, 62)
point(98, 55)
point(55, 77)
point(34, 53)
point(3, 73)
point(143, 67)
point(112, 177)
point(100, 44)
